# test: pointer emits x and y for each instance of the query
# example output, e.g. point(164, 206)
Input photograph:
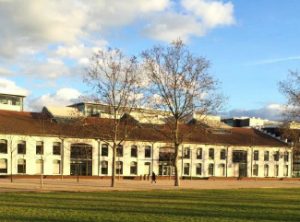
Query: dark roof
point(30, 123)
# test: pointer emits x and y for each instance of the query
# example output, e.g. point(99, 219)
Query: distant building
point(250, 122)
point(11, 102)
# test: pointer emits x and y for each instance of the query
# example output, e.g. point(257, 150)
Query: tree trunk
point(177, 180)
point(176, 146)
point(113, 174)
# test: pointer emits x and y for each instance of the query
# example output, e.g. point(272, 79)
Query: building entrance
point(166, 160)
point(81, 159)
point(240, 157)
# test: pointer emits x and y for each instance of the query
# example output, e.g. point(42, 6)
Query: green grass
point(161, 206)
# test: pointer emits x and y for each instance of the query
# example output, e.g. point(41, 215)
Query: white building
point(31, 143)
point(11, 102)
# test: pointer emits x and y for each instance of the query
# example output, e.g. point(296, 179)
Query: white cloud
point(171, 26)
point(195, 18)
point(212, 13)
point(5, 72)
point(61, 97)
point(10, 87)
point(272, 111)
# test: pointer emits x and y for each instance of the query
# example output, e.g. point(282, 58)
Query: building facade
point(30, 145)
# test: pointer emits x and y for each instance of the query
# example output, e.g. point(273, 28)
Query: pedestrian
point(153, 178)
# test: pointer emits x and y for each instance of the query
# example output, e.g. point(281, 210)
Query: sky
point(45, 46)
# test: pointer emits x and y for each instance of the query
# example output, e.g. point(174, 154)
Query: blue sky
point(251, 45)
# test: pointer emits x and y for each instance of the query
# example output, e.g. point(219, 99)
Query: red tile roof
point(30, 123)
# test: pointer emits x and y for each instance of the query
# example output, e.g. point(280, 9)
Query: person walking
point(153, 177)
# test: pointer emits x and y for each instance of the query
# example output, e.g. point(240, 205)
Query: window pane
point(199, 153)
point(147, 151)
point(3, 146)
point(211, 153)
point(104, 150)
point(56, 148)
point(256, 154)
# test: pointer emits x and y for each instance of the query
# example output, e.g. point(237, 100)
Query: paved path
point(91, 185)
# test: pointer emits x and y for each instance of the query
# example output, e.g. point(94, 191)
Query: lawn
point(162, 206)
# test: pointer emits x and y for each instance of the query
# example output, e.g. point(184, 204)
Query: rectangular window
point(21, 166)
point(186, 153)
point(276, 156)
point(286, 171)
point(133, 151)
point(256, 155)
point(199, 153)
point(3, 146)
point(119, 151)
point(104, 167)
point(3, 165)
point(211, 154)
point(266, 170)
point(56, 148)
point(39, 148)
point(104, 150)
point(119, 167)
point(147, 151)
point(199, 169)
point(239, 156)
point(186, 169)
point(276, 170)
point(255, 170)
point(211, 169)
point(133, 168)
point(223, 154)
point(22, 147)
point(266, 156)
point(286, 157)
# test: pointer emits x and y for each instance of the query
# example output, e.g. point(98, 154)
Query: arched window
point(211, 169)
point(276, 170)
point(255, 170)
point(222, 169)
point(198, 169)
point(3, 165)
point(286, 170)
point(104, 167)
point(266, 170)
point(39, 166)
point(147, 168)
point(3, 146)
point(56, 166)
point(133, 151)
point(119, 167)
point(133, 168)
point(104, 149)
point(21, 166)
point(211, 153)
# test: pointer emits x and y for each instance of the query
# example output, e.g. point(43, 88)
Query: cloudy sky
point(46, 45)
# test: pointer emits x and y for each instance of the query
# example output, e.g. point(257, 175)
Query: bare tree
point(181, 82)
point(291, 89)
point(113, 78)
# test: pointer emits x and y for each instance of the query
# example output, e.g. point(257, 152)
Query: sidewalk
point(92, 185)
